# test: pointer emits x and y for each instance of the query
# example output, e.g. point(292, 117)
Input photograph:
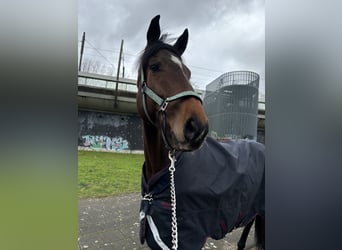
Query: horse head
point(166, 100)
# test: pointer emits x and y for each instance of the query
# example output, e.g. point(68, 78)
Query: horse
point(193, 187)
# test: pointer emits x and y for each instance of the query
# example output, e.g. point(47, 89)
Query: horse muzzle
point(195, 132)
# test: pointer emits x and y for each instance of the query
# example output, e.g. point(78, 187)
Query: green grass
point(103, 174)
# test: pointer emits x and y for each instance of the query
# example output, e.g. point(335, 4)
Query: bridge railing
point(106, 82)
point(125, 84)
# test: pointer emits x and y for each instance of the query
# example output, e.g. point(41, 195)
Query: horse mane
point(151, 50)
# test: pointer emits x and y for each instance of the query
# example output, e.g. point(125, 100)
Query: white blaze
point(177, 61)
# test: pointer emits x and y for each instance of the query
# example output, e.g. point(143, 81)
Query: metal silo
point(231, 104)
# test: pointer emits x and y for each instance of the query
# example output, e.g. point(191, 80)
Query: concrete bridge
point(104, 93)
point(107, 94)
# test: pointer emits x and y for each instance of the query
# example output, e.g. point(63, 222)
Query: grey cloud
point(211, 44)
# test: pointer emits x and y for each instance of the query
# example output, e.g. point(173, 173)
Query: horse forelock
point(154, 48)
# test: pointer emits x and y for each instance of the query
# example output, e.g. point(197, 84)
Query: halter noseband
point(163, 104)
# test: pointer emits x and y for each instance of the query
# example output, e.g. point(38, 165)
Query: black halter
point(163, 104)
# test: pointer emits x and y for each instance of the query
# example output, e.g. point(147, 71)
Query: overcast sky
point(224, 35)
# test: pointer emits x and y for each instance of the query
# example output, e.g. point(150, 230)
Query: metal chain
point(174, 230)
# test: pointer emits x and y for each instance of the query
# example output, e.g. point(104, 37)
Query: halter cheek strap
point(163, 103)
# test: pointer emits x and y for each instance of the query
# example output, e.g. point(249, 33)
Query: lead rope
point(174, 230)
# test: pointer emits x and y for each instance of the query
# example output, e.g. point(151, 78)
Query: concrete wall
point(99, 130)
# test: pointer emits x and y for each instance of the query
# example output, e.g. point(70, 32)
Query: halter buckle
point(164, 106)
point(143, 86)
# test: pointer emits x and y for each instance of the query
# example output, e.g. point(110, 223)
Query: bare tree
point(92, 66)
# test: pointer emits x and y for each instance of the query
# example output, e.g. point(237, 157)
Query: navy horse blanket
point(219, 187)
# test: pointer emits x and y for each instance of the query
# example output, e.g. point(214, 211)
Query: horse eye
point(155, 67)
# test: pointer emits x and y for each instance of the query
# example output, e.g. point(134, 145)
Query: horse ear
point(182, 41)
point(153, 32)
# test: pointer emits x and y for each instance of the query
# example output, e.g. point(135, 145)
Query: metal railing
point(124, 84)
point(107, 82)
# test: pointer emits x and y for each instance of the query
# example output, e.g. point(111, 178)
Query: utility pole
point(117, 76)
point(81, 55)
point(123, 66)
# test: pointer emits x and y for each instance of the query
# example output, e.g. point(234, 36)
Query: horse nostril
point(193, 129)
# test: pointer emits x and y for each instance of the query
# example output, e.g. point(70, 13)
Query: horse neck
point(156, 154)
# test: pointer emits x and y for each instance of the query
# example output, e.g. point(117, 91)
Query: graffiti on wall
point(105, 142)
point(124, 131)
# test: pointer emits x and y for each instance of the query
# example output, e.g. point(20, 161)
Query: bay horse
point(193, 187)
